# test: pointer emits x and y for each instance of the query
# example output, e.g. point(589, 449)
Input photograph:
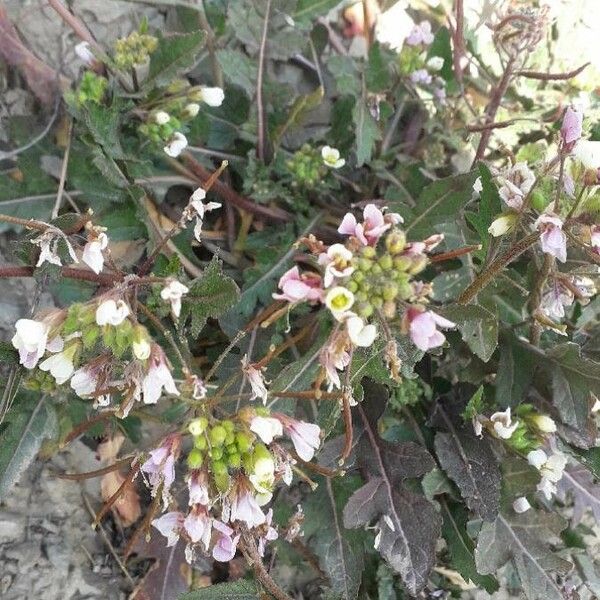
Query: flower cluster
point(233, 467)
point(369, 277)
point(134, 50)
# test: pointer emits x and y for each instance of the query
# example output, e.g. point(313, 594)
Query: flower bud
point(200, 442)
point(544, 423)
point(418, 264)
point(161, 117)
point(390, 291)
point(218, 467)
point(216, 453)
point(198, 426)
point(234, 460)
point(264, 465)
point(217, 435)
point(395, 242)
point(386, 262)
point(194, 459)
point(402, 263)
point(141, 343)
point(191, 110)
point(243, 441)
point(369, 252)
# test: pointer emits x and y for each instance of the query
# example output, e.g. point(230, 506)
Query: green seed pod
point(194, 459)
point(385, 262)
point(365, 310)
point(216, 453)
point(365, 286)
point(218, 467)
point(402, 263)
point(365, 264)
point(376, 269)
point(228, 424)
point(376, 301)
point(390, 291)
point(234, 461)
point(230, 438)
point(200, 442)
point(352, 286)
point(361, 296)
point(395, 241)
point(368, 252)
point(358, 276)
point(243, 441)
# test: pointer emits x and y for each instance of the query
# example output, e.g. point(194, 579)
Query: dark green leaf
point(8, 354)
point(239, 69)
point(174, 55)
point(377, 75)
point(232, 590)
point(367, 132)
point(309, 9)
point(515, 372)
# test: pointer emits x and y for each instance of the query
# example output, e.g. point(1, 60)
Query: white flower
point(213, 96)
point(331, 157)
point(536, 458)
point(83, 52)
point(162, 117)
point(360, 334)
point(553, 239)
point(192, 109)
point(521, 505)
point(158, 377)
point(60, 365)
point(266, 428)
point(84, 382)
point(435, 63)
point(337, 263)
point(173, 292)
point(588, 154)
point(110, 312)
point(176, 145)
point(92, 253)
point(256, 380)
point(339, 300)
point(516, 184)
point(141, 348)
point(551, 469)
point(544, 423)
point(503, 425)
point(48, 243)
point(502, 224)
point(199, 209)
point(393, 26)
point(30, 340)
point(477, 187)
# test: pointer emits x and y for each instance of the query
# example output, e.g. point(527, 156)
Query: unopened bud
point(395, 242)
point(191, 110)
point(544, 423)
point(418, 264)
point(194, 459)
point(198, 426)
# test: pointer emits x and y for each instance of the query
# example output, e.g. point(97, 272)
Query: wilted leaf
point(578, 482)
point(524, 539)
point(174, 55)
point(408, 524)
point(31, 420)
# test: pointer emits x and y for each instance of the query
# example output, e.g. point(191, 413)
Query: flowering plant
point(336, 343)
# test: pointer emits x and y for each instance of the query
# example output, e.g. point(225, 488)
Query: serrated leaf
point(210, 295)
point(440, 201)
point(461, 547)
point(377, 75)
point(30, 420)
point(239, 69)
point(308, 9)
point(345, 73)
point(367, 132)
point(103, 123)
point(408, 523)
point(173, 56)
point(524, 540)
point(578, 482)
point(232, 590)
point(515, 373)
point(478, 327)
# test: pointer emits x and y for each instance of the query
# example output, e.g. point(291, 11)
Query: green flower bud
point(216, 453)
point(365, 310)
point(402, 263)
point(198, 426)
point(217, 435)
point(385, 262)
point(390, 291)
point(418, 264)
point(361, 296)
point(194, 459)
point(243, 441)
point(218, 467)
point(365, 264)
point(357, 276)
point(395, 242)
point(376, 269)
point(230, 438)
point(234, 460)
point(376, 301)
point(264, 465)
point(352, 286)
point(368, 252)
point(200, 442)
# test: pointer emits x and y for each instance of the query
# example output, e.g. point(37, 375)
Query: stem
point(261, 150)
point(97, 472)
point(483, 279)
point(459, 40)
point(68, 272)
point(28, 223)
point(454, 253)
point(63, 172)
point(552, 76)
point(255, 561)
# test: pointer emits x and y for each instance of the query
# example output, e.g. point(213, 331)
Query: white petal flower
point(84, 382)
point(588, 154)
point(92, 253)
point(544, 423)
point(360, 334)
point(83, 52)
point(435, 63)
point(537, 458)
point(266, 428)
point(158, 377)
point(213, 96)
point(141, 349)
point(331, 157)
point(502, 224)
point(521, 505)
point(59, 365)
point(503, 425)
point(393, 26)
point(176, 145)
point(256, 380)
point(192, 109)
point(173, 293)
point(110, 312)
point(30, 340)
point(339, 300)
point(162, 117)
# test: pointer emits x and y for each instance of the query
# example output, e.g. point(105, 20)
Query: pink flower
point(595, 239)
point(553, 238)
point(420, 76)
point(269, 535)
point(226, 544)
point(299, 288)
point(198, 525)
point(244, 506)
point(420, 34)
point(160, 467)
point(306, 437)
point(571, 127)
point(337, 263)
point(335, 357)
point(368, 232)
point(266, 428)
point(422, 327)
point(158, 377)
point(256, 380)
point(170, 525)
point(198, 488)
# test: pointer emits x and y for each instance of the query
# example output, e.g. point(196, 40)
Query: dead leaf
point(128, 504)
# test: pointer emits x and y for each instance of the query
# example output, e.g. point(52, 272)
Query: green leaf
point(367, 132)
point(478, 327)
point(298, 112)
point(30, 420)
point(309, 9)
point(377, 76)
point(174, 55)
point(8, 354)
point(514, 374)
point(210, 295)
point(239, 69)
point(440, 201)
point(103, 123)
point(232, 590)
point(524, 540)
point(345, 73)
point(461, 546)
point(441, 47)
